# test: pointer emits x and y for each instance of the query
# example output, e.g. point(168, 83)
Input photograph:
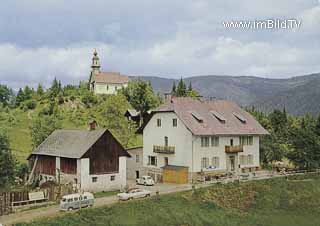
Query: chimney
point(93, 125)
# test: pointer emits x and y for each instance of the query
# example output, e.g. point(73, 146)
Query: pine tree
point(317, 127)
point(190, 87)
point(55, 89)
point(20, 97)
point(181, 89)
point(27, 93)
point(40, 90)
point(7, 162)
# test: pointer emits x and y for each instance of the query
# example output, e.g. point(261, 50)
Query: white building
point(135, 163)
point(105, 82)
point(90, 160)
point(185, 138)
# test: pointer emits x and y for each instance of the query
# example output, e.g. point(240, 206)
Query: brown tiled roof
point(111, 77)
point(198, 116)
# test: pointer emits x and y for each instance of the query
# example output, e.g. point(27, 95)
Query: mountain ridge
point(297, 94)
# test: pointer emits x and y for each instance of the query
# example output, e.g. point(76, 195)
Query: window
point(159, 122)
point(231, 142)
point(214, 141)
point(250, 159)
point(240, 117)
point(137, 158)
point(94, 179)
point(174, 122)
point(218, 116)
point(241, 159)
point(113, 177)
point(246, 159)
point(107, 87)
point(166, 141)
point(85, 197)
point(75, 199)
point(197, 117)
point(246, 140)
point(204, 163)
point(152, 160)
point(215, 162)
point(116, 88)
point(166, 161)
point(205, 141)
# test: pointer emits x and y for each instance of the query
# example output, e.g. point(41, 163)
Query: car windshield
point(64, 200)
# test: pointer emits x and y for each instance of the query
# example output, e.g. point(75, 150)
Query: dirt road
point(53, 211)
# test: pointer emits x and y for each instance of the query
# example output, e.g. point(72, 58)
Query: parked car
point(134, 193)
point(73, 201)
point(145, 180)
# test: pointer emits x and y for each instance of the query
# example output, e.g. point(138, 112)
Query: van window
point(75, 199)
point(70, 200)
point(85, 197)
point(64, 200)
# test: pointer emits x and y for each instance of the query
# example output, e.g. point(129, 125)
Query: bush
point(30, 104)
point(60, 99)
point(89, 99)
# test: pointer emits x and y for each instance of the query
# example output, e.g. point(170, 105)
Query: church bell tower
point(95, 63)
point(95, 69)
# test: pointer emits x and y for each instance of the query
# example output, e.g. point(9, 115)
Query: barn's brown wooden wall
point(104, 155)
point(46, 165)
point(68, 165)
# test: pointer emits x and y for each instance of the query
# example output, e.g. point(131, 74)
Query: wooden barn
point(91, 160)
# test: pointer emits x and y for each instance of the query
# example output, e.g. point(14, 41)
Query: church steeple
point(95, 63)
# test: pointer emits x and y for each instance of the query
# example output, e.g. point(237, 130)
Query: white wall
point(188, 147)
point(103, 88)
point(133, 165)
point(103, 182)
point(253, 150)
point(179, 136)
point(219, 151)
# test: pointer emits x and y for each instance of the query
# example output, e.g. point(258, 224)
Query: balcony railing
point(234, 149)
point(163, 149)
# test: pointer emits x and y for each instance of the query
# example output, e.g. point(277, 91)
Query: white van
point(73, 201)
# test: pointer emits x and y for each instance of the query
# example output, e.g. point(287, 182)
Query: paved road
point(53, 211)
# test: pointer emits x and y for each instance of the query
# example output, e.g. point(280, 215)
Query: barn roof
point(70, 143)
point(217, 117)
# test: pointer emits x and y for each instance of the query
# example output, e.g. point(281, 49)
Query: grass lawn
point(105, 194)
point(275, 202)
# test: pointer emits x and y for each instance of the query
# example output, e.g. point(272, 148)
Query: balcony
point(233, 149)
point(163, 149)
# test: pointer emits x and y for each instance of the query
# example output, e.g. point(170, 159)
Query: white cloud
point(170, 38)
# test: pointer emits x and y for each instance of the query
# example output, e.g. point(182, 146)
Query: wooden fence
point(52, 193)
point(6, 199)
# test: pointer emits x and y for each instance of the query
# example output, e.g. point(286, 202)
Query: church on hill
point(105, 82)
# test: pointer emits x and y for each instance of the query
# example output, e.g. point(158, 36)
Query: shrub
point(30, 104)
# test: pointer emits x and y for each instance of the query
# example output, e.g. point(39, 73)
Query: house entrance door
point(231, 163)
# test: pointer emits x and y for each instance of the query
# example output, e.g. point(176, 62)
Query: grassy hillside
point(73, 114)
point(274, 202)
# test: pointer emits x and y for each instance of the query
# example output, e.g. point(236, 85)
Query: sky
point(40, 40)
